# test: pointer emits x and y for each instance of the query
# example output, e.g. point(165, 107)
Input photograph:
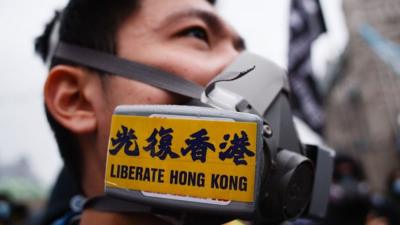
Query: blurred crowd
point(352, 201)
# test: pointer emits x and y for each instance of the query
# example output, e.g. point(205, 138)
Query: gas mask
point(231, 152)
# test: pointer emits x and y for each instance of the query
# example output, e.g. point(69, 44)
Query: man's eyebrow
point(212, 20)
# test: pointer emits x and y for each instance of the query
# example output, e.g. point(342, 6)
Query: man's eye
point(196, 32)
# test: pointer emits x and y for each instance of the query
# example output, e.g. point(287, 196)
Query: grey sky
point(24, 130)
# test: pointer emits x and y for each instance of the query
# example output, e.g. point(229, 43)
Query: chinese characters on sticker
point(237, 149)
point(124, 139)
point(161, 147)
point(234, 146)
point(197, 144)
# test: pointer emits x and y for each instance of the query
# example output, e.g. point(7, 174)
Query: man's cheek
point(201, 71)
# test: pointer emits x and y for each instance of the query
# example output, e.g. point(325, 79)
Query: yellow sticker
point(183, 156)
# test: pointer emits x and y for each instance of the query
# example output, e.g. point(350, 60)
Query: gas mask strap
point(129, 69)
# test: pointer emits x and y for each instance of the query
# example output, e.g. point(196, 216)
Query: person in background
point(386, 209)
point(349, 194)
point(12, 212)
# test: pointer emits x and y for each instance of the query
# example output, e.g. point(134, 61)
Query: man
point(184, 37)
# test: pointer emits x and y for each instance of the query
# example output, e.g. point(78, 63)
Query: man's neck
point(93, 167)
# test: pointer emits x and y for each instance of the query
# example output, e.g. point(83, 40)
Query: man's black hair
point(92, 24)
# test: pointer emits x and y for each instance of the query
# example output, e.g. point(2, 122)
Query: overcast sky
point(24, 131)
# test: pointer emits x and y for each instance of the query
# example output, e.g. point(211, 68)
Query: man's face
point(184, 37)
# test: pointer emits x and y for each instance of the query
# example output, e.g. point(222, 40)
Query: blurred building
point(363, 106)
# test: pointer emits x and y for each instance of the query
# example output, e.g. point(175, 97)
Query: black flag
point(306, 24)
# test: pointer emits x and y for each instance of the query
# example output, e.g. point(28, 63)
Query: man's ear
point(67, 94)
